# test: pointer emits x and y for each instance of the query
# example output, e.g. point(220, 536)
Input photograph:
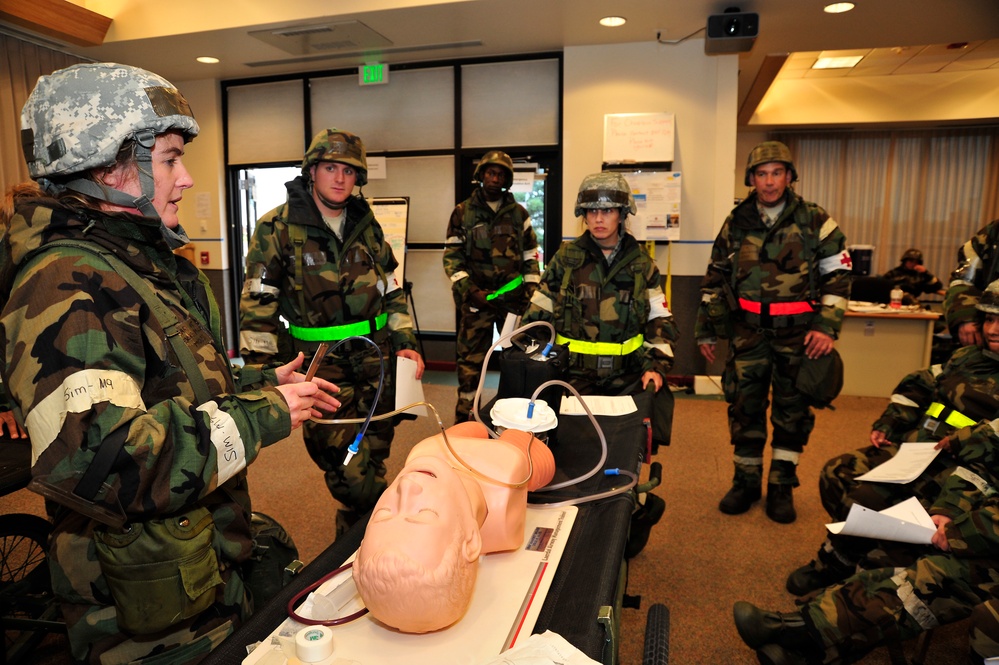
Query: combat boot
point(781, 637)
point(816, 575)
point(780, 503)
point(746, 490)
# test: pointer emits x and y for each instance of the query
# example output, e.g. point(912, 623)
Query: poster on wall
point(657, 197)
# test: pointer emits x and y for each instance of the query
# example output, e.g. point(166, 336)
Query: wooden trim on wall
point(57, 18)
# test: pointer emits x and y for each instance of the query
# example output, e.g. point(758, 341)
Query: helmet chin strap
point(144, 168)
point(332, 205)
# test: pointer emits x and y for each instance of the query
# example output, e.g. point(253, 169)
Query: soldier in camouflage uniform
point(777, 288)
point(491, 258)
point(602, 293)
point(949, 581)
point(983, 633)
point(112, 342)
point(913, 278)
point(977, 267)
point(320, 262)
point(927, 405)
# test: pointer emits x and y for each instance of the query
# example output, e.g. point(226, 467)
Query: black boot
point(776, 635)
point(739, 499)
point(780, 503)
point(815, 575)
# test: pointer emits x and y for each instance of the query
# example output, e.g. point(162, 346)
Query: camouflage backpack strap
point(574, 256)
point(167, 319)
point(299, 235)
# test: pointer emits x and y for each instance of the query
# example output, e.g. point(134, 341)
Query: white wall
point(648, 77)
point(202, 210)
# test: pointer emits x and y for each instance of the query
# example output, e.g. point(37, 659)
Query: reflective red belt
point(777, 308)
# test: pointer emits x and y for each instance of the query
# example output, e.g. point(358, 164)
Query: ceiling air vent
point(322, 38)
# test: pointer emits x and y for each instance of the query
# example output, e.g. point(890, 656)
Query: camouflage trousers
point(475, 337)
point(359, 483)
point(839, 489)
point(983, 635)
point(760, 373)
point(876, 606)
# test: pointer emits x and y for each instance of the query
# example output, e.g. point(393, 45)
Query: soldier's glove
point(477, 298)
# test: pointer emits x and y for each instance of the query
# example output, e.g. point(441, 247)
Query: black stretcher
point(585, 600)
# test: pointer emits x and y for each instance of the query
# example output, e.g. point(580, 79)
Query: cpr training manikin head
point(416, 567)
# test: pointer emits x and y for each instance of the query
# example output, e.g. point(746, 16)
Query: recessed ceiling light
point(843, 62)
point(613, 21)
point(208, 60)
point(838, 7)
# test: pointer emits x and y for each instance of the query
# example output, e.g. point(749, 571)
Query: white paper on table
point(408, 389)
point(906, 522)
point(600, 405)
point(511, 323)
point(910, 461)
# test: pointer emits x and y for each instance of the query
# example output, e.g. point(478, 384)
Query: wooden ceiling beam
point(58, 19)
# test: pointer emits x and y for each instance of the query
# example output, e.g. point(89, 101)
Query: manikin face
point(990, 332)
point(424, 509)
point(603, 225)
point(493, 180)
point(332, 182)
point(170, 179)
point(770, 180)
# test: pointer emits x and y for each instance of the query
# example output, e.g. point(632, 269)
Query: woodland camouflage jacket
point(83, 357)
point(801, 258)
point(587, 299)
point(488, 249)
point(343, 282)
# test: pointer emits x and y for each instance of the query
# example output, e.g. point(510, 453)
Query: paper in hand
point(408, 389)
point(910, 461)
point(906, 522)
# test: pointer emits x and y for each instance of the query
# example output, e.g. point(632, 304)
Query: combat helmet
point(499, 158)
point(603, 191)
point(766, 152)
point(989, 302)
point(912, 255)
point(76, 119)
point(334, 145)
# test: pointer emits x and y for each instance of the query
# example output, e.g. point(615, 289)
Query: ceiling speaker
point(731, 32)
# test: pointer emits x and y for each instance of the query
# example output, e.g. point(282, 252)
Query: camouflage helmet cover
point(766, 152)
point(499, 158)
point(912, 255)
point(989, 302)
point(334, 145)
point(77, 118)
point(603, 191)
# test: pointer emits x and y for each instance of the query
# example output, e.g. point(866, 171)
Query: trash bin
point(862, 257)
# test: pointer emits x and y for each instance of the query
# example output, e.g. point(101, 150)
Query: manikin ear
point(472, 546)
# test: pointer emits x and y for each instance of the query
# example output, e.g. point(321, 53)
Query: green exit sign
point(373, 74)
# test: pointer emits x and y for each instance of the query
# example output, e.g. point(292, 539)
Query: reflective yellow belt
point(509, 286)
point(951, 417)
point(601, 348)
point(336, 333)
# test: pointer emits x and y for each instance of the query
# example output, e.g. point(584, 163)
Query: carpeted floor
point(698, 561)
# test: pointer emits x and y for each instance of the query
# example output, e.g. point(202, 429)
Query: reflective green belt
point(601, 348)
point(509, 286)
point(949, 416)
point(336, 333)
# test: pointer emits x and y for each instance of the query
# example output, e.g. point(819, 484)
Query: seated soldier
point(948, 581)
point(935, 404)
point(452, 501)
